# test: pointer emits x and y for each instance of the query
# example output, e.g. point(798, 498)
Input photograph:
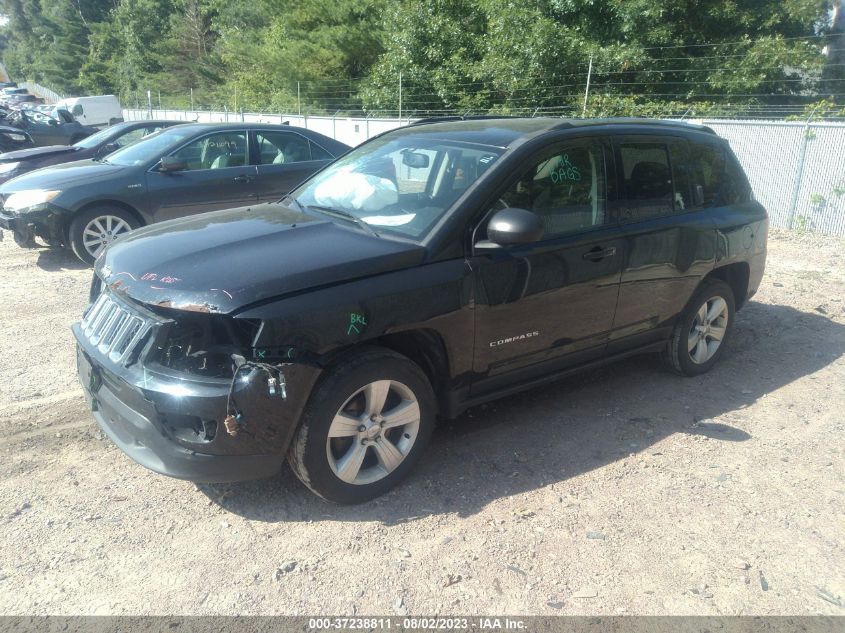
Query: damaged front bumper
point(175, 425)
point(46, 222)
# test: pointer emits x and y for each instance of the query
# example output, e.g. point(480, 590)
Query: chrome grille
point(114, 328)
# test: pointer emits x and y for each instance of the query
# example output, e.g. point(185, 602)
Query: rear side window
point(648, 187)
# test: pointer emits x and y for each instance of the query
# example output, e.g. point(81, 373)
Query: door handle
point(599, 253)
point(243, 178)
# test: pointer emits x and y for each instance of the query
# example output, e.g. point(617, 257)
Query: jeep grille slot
point(114, 329)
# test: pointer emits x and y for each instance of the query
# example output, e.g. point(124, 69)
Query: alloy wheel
point(102, 231)
point(707, 330)
point(373, 432)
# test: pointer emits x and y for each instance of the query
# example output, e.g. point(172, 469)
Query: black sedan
point(45, 130)
point(104, 142)
point(178, 171)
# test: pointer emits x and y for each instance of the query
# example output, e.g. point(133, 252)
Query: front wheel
point(702, 330)
point(365, 426)
point(92, 230)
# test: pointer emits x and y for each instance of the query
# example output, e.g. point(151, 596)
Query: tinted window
point(708, 163)
point(735, 188)
point(281, 148)
point(683, 177)
point(215, 151)
point(567, 190)
point(318, 153)
point(648, 188)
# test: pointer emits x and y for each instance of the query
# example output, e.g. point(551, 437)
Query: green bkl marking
point(354, 321)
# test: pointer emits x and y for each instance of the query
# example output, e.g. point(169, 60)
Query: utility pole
point(298, 101)
point(192, 97)
point(587, 91)
point(400, 96)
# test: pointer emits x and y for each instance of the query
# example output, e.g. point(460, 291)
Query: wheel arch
point(103, 203)
point(737, 276)
point(424, 347)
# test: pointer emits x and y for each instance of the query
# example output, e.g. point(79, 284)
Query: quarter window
point(567, 190)
point(709, 164)
point(215, 151)
point(735, 189)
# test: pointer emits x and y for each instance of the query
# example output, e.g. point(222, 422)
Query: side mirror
point(171, 164)
point(512, 226)
point(416, 160)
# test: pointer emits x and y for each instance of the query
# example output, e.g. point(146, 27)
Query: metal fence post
point(799, 173)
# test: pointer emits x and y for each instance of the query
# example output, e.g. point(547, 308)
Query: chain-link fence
point(797, 169)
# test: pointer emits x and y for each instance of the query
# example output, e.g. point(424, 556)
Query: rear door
point(218, 176)
point(544, 306)
point(284, 159)
point(669, 239)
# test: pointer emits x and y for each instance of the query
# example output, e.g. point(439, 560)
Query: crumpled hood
point(36, 152)
point(62, 176)
point(225, 260)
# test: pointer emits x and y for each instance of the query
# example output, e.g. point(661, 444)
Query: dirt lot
point(626, 490)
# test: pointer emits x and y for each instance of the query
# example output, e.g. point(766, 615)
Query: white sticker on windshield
point(390, 220)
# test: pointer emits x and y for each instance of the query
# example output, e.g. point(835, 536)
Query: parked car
point(431, 269)
point(22, 101)
point(12, 139)
point(179, 171)
point(46, 130)
point(99, 145)
point(99, 111)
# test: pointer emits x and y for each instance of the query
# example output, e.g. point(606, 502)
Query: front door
point(547, 305)
point(217, 176)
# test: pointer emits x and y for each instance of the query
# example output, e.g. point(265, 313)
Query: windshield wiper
point(345, 215)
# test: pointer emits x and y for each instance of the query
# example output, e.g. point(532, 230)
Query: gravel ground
point(622, 491)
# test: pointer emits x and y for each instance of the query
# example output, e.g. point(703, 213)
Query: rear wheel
point(365, 426)
point(92, 230)
point(702, 330)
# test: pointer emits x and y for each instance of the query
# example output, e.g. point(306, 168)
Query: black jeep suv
point(430, 269)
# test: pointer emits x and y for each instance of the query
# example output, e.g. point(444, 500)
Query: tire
point(113, 221)
point(692, 350)
point(326, 465)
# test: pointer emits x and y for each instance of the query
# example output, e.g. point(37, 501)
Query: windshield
point(398, 185)
point(97, 138)
point(151, 148)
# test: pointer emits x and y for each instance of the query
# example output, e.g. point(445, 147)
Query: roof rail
point(644, 121)
point(473, 117)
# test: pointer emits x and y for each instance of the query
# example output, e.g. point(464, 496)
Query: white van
point(99, 111)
